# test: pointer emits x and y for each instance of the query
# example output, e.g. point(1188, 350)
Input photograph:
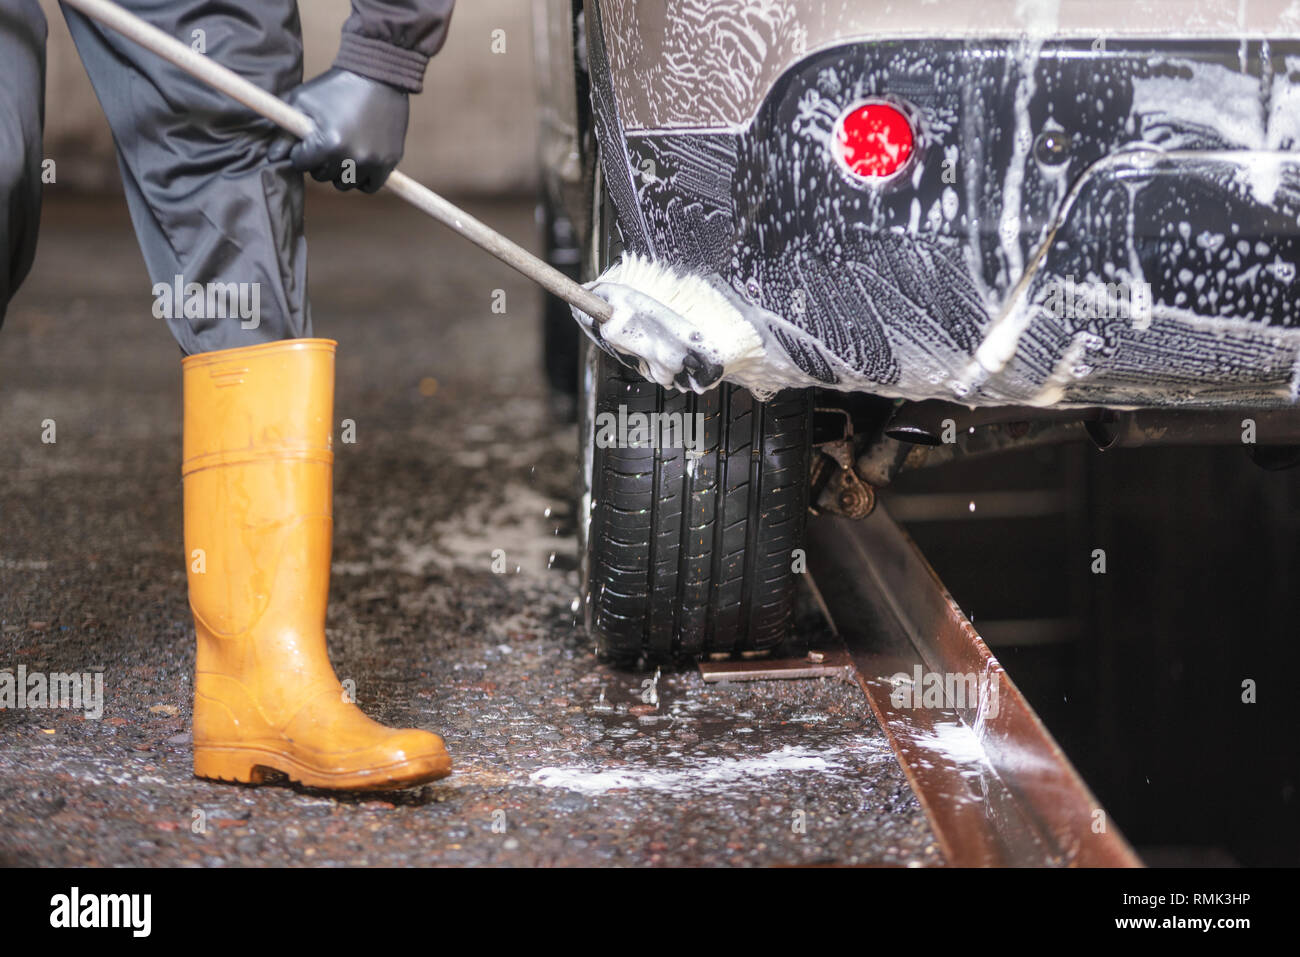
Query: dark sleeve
point(392, 40)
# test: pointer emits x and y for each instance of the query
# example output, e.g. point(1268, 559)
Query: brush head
point(682, 331)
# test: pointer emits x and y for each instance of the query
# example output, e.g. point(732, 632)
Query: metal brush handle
point(300, 124)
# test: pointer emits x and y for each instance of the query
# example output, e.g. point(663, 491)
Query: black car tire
point(685, 555)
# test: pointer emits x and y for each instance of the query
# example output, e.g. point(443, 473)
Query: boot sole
point(249, 766)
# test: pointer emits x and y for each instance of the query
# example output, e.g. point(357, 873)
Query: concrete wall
point(473, 130)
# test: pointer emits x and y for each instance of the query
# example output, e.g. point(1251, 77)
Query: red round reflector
point(874, 140)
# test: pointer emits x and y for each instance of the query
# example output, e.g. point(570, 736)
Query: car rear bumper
point(1150, 265)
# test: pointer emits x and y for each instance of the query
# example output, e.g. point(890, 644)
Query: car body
point(960, 229)
point(1101, 209)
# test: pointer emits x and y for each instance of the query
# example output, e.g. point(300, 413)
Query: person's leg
point(206, 205)
point(258, 403)
point(22, 115)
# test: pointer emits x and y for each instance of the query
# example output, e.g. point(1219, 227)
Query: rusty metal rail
point(996, 787)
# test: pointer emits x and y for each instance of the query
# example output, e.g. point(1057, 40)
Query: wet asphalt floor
point(559, 760)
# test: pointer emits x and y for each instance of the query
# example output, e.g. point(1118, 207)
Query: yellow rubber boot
point(258, 472)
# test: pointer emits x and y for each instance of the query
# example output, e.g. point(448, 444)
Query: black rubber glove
point(360, 130)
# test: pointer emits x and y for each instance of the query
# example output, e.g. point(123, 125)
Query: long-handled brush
point(683, 330)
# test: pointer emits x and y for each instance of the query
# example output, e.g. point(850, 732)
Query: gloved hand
point(357, 119)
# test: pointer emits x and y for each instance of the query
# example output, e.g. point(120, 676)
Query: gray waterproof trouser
point(206, 205)
point(22, 83)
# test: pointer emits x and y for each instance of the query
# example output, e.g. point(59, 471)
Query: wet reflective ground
point(559, 760)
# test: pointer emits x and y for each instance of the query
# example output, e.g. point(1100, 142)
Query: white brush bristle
point(660, 315)
point(684, 294)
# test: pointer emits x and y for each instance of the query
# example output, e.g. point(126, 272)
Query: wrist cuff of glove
point(382, 61)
